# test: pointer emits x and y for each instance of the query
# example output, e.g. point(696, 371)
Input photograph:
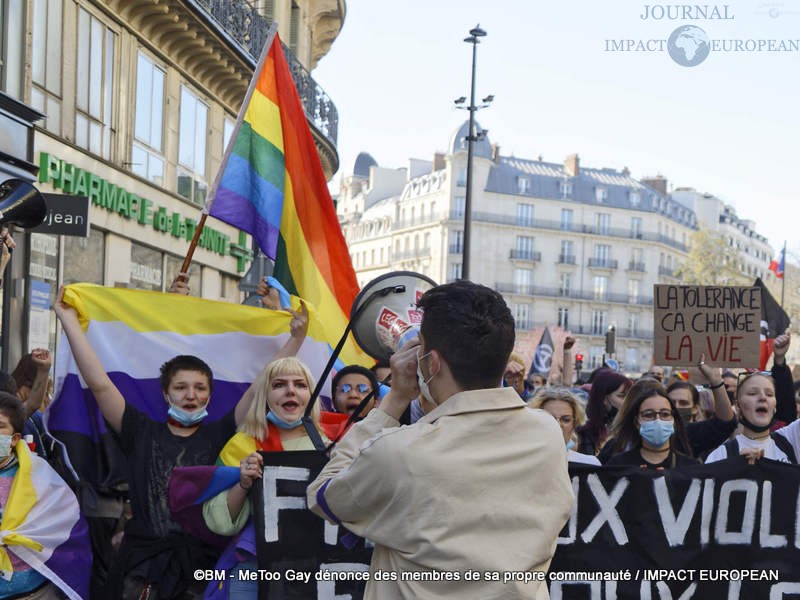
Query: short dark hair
point(359, 370)
point(11, 408)
point(7, 383)
point(685, 385)
point(184, 362)
point(471, 326)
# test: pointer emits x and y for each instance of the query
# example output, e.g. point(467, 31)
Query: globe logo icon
point(688, 46)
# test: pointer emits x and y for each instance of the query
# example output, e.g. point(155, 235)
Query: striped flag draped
point(42, 525)
point(272, 185)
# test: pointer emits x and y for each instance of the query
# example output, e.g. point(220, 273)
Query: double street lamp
point(472, 137)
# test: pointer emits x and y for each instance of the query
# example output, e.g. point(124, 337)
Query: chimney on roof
point(626, 171)
point(658, 183)
point(495, 153)
point(438, 161)
point(572, 164)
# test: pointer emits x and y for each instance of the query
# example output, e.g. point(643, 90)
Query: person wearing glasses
point(350, 386)
point(564, 407)
point(650, 425)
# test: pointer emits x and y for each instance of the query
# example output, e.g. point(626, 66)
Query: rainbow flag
point(133, 333)
point(42, 526)
point(271, 185)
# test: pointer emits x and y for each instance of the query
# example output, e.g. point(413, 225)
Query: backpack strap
point(732, 448)
point(785, 446)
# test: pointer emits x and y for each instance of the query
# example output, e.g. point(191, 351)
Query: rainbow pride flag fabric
point(272, 186)
point(133, 333)
point(42, 525)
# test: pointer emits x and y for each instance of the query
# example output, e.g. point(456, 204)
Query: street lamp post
point(472, 137)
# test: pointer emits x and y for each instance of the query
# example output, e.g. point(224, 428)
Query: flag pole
point(212, 192)
point(783, 264)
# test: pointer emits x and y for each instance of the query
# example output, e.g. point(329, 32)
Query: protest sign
point(724, 530)
point(721, 322)
point(299, 554)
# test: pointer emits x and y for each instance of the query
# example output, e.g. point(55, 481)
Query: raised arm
point(785, 409)
point(713, 377)
point(41, 358)
point(109, 398)
point(566, 377)
point(298, 328)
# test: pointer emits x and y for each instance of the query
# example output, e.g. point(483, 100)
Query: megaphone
point(21, 204)
point(385, 309)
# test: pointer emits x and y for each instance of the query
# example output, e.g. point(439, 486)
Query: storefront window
point(43, 288)
point(84, 258)
point(146, 268)
point(174, 265)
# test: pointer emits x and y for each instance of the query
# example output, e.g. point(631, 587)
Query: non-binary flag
point(271, 184)
point(133, 333)
point(42, 525)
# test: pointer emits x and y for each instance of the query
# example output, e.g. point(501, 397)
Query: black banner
point(726, 530)
point(299, 554)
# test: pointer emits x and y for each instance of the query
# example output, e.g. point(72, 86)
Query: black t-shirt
point(152, 451)
point(633, 458)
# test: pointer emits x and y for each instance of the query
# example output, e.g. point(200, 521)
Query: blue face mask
point(277, 421)
point(657, 432)
point(185, 417)
point(570, 444)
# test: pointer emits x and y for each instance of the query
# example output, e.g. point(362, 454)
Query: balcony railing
point(412, 254)
point(535, 290)
point(247, 29)
point(526, 255)
point(566, 259)
point(636, 266)
point(455, 248)
point(614, 232)
point(666, 271)
point(603, 263)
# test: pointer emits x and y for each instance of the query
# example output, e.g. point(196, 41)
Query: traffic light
point(611, 339)
point(578, 362)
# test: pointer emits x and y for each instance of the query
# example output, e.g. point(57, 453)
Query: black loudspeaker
point(21, 204)
point(385, 308)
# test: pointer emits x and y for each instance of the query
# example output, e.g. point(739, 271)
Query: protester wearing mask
point(649, 425)
point(605, 399)
point(686, 399)
point(156, 558)
point(479, 483)
point(567, 410)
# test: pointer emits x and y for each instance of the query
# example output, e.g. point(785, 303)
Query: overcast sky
point(728, 126)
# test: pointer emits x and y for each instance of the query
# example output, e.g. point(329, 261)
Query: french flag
point(777, 266)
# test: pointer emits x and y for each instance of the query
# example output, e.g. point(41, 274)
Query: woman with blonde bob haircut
point(275, 377)
point(272, 424)
point(565, 408)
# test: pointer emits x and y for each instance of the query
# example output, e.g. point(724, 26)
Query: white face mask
point(424, 391)
point(5, 445)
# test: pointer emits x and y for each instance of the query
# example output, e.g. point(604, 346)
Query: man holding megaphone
point(477, 486)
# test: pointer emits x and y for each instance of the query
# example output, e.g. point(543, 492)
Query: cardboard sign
point(724, 323)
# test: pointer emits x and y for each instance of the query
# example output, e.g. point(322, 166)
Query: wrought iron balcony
point(603, 263)
point(666, 271)
point(246, 29)
point(636, 266)
point(566, 259)
point(455, 248)
point(525, 255)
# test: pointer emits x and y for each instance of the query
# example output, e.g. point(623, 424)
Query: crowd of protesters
point(429, 434)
